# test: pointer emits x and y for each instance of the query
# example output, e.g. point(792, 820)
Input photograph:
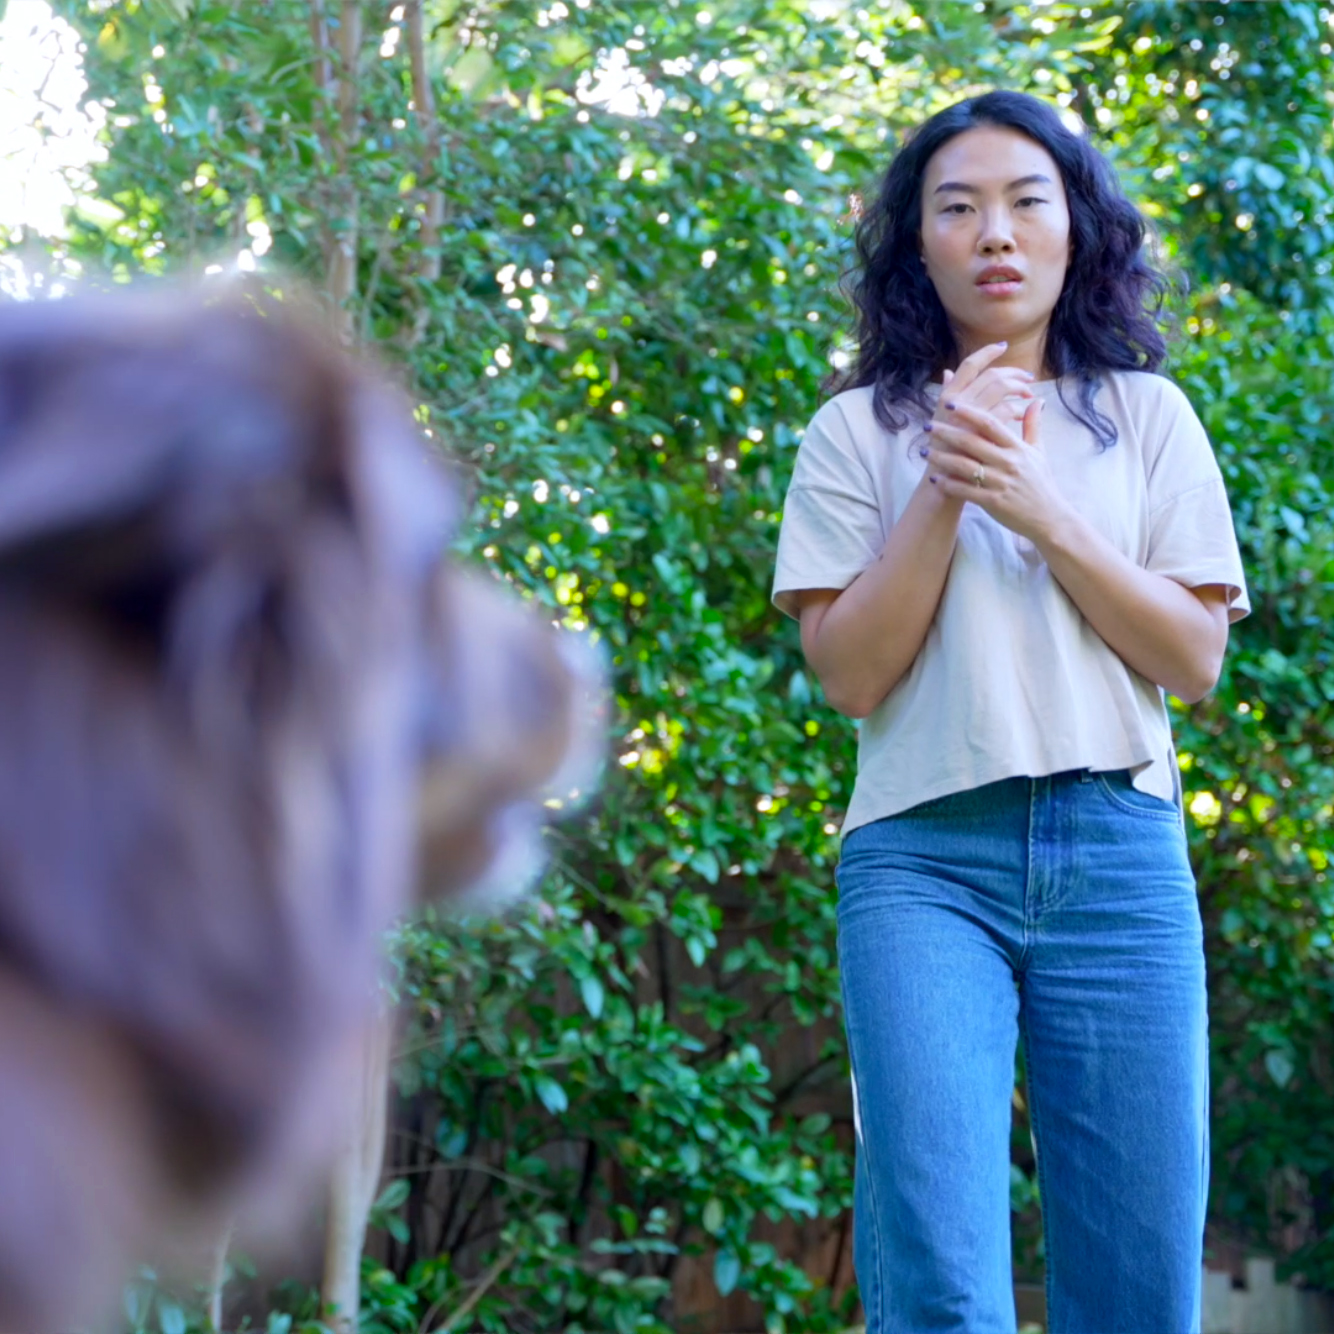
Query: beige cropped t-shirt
point(1012, 680)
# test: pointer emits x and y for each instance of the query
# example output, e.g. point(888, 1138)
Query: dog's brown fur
point(235, 673)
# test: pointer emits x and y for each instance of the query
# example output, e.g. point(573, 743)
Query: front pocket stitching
point(1168, 813)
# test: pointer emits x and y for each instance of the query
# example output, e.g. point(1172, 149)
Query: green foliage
point(148, 1309)
point(515, 1024)
point(1259, 771)
point(620, 329)
point(1246, 136)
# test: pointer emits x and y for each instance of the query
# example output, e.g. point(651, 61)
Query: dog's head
point(236, 671)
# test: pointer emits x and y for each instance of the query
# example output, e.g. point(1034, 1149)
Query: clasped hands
point(974, 453)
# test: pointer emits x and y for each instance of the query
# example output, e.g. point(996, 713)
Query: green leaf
point(726, 1271)
point(1294, 522)
point(705, 861)
point(1269, 176)
point(593, 993)
point(552, 1095)
point(394, 1195)
point(137, 1299)
point(1280, 1067)
point(171, 1319)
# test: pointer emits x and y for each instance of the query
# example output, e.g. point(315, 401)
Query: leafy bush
point(1259, 774)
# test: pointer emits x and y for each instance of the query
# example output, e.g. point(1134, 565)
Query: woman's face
point(996, 239)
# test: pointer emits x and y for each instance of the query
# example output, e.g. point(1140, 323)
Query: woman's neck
point(1026, 352)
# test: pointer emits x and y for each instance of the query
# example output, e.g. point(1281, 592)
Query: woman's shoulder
point(850, 416)
point(1151, 391)
point(1155, 418)
point(855, 407)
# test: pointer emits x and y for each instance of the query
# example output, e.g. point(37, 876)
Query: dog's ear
point(100, 418)
point(135, 435)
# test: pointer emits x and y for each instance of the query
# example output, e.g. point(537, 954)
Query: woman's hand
point(1003, 391)
point(976, 457)
point(1170, 634)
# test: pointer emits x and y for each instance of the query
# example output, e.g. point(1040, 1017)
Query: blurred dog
point(236, 675)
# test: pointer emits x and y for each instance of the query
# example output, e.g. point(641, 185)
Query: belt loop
point(1085, 775)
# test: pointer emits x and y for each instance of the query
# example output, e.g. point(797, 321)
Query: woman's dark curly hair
point(1104, 320)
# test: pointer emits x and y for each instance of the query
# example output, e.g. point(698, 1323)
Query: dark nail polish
point(929, 426)
point(949, 407)
point(933, 481)
point(924, 451)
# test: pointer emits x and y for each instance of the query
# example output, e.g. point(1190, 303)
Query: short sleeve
point(832, 527)
point(1191, 535)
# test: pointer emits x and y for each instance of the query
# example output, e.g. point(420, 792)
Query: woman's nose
point(996, 236)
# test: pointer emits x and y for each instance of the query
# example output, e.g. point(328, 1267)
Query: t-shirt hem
point(869, 810)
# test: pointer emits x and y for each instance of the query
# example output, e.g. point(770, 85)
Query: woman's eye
point(1031, 199)
point(956, 208)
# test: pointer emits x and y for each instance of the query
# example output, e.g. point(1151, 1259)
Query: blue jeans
point(1061, 910)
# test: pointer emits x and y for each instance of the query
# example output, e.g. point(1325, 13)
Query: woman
point(1004, 541)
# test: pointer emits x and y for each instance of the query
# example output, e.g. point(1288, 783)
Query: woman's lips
point(1007, 287)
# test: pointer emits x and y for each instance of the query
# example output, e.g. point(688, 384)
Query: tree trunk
point(216, 1280)
point(428, 172)
point(337, 71)
point(356, 1174)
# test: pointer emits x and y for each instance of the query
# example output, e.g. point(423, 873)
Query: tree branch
point(484, 1284)
point(428, 171)
point(319, 38)
point(341, 253)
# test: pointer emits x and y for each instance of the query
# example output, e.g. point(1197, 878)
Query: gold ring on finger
point(980, 476)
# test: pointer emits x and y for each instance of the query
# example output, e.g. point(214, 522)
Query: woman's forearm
point(863, 640)
point(1164, 631)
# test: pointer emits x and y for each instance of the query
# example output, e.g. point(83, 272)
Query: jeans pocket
point(1116, 786)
